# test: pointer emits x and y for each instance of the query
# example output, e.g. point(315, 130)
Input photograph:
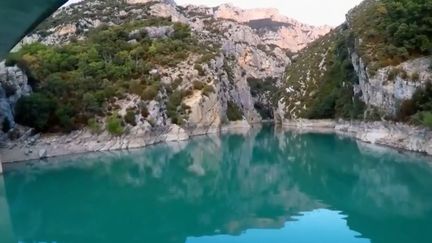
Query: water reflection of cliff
point(226, 184)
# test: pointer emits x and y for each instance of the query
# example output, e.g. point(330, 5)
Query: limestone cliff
point(370, 67)
point(274, 28)
point(250, 54)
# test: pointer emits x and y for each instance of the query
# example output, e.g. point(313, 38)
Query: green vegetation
point(36, 111)
point(200, 69)
point(335, 97)
point(207, 90)
point(175, 109)
point(197, 85)
point(261, 87)
point(130, 117)
point(419, 109)
point(75, 82)
point(325, 89)
point(94, 126)
point(264, 90)
point(424, 118)
point(392, 31)
point(234, 113)
point(114, 125)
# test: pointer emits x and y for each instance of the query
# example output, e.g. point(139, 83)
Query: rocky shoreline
point(395, 135)
point(391, 134)
point(83, 141)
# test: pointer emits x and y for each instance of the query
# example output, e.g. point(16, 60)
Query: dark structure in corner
point(19, 17)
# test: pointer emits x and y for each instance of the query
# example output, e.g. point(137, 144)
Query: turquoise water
point(266, 186)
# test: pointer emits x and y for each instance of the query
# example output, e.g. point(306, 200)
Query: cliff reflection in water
point(228, 186)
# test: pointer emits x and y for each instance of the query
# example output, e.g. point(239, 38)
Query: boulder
point(43, 154)
point(176, 133)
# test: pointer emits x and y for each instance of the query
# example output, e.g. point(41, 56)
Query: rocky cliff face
point(13, 85)
point(253, 47)
point(273, 28)
point(357, 71)
point(387, 93)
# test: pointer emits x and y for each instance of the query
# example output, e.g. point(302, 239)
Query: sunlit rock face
point(273, 27)
point(243, 49)
point(385, 94)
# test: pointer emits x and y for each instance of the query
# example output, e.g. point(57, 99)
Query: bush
point(173, 110)
point(233, 112)
point(94, 126)
point(35, 111)
point(64, 115)
point(415, 76)
point(150, 93)
point(130, 118)
point(200, 69)
point(424, 118)
point(406, 110)
point(12, 59)
point(393, 31)
point(207, 90)
point(392, 74)
point(114, 126)
point(144, 111)
point(417, 109)
point(197, 85)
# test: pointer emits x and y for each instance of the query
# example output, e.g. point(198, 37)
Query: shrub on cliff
point(207, 90)
point(234, 113)
point(130, 117)
point(114, 125)
point(175, 110)
point(94, 126)
point(74, 82)
point(36, 110)
point(419, 108)
point(424, 118)
point(393, 31)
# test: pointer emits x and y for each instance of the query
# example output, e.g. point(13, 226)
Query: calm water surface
point(264, 186)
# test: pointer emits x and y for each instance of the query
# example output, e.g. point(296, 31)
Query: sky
point(315, 12)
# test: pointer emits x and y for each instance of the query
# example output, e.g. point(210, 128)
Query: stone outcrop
point(387, 93)
point(13, 85)
point(395, 135)
point(273, 27)
point(391, 134)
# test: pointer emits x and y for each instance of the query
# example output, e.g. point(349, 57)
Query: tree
point(35, 111)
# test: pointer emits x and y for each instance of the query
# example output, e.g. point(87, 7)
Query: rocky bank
point(254, 67)
point(391, 134)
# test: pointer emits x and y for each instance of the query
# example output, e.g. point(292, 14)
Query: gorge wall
point(156, 66)
point(121, 71)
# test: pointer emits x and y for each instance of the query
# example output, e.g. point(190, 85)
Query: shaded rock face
point(13, 85)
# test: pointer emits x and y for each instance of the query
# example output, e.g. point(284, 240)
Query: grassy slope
point(319, 82)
